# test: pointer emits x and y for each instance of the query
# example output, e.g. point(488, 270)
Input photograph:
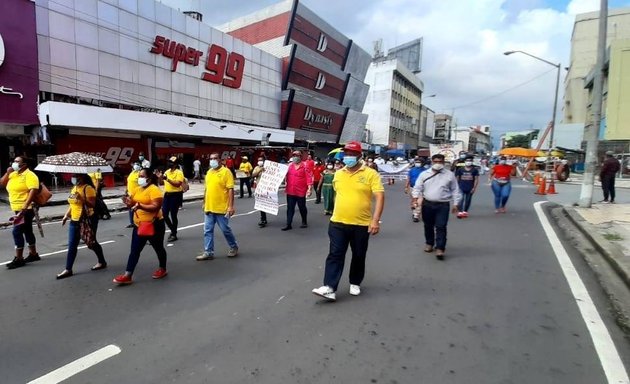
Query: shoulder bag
point(42, 196)
point(85, 228)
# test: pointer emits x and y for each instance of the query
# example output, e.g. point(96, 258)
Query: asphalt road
point(498, 310)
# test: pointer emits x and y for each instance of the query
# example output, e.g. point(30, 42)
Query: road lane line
point(65, 250)
point(607, 352)
point(77, 366)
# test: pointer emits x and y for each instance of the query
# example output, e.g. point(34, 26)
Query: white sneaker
point(355, 290)
point(326, 292)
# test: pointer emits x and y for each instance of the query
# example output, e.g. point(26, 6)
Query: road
point(498, 310)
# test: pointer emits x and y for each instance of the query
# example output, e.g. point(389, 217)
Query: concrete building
point(427, 127)
point(323, 92)
point(393, 104)
point(475, 139)
point(443, 125)
point(584, 56)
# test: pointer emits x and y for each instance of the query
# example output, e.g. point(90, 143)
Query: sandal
point(99, 266)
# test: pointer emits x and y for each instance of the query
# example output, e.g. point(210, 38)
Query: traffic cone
point(542, 186)
point(552, 188)
point(536, 178)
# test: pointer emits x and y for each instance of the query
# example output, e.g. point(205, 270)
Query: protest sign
point(266, 193)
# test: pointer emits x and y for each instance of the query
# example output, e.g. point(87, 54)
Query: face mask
point(142, 181)
point(73, 180)
point(260, 163)
point(417, 165)
point(214, 163)
point(330, 166)
point(437, 166)
point(462, 157)
point(15, 166)
point(141, 158)
point(295, 159)
point(502, 162)
point(468, 163)
point(136, 167)
point(350, 161)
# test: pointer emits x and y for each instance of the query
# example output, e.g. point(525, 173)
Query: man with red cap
point(299, 181)
point(354, 219)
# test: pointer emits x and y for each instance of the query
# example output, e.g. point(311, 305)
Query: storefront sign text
point(314, 118)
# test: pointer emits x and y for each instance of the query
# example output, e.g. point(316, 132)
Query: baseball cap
point(173, 159)
point(610, 153)
point(244, 157)
point(353, 146)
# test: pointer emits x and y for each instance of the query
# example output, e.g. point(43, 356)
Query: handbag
point(42, 196)
point(85, 227)
point(146, 228)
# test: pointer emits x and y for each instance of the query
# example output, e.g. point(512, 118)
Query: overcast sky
point(464, 40)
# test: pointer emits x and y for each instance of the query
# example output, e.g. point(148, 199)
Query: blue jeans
point(138, 243)
point(342, 235)
point(435, 218)
point(208, 231)
point(501, 193)
point(170, 207)
point(464, 203)
point(24, 230)
point(74, 236)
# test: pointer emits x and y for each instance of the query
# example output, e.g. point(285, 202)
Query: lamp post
point(555, 100)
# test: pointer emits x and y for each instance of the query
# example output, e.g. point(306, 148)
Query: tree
point(521, 141)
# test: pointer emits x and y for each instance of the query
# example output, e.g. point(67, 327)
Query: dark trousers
point(342, 235)
point(464, 203)
point(608, 187)
point(74, 236)
point(435, 218)
point(263, 217)
point(301, 203)
point(24, 230)
point(138, 243)
point(318, 192)
point(246, 181)
point(170, 207)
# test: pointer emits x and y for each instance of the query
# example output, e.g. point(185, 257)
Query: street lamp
point(555, 100)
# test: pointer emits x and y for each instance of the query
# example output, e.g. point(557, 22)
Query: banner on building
point(450, 151)
point(266, 193)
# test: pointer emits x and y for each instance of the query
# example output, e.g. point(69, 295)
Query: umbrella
point(75, 162)
point(517, 151)
point(337, 150)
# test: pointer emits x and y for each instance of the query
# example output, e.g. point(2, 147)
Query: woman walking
point(146, 203)
point(22, 185)
point(500, 176)
point(82, 195)
point(325, 184)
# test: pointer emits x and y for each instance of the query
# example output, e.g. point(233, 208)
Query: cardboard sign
point(266, 194)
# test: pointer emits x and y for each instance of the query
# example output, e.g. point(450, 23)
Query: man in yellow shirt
point(218, 207)
point(173, 196)
point(353, 221)
point(132, 186)
point(246, 168)
point(22, 185)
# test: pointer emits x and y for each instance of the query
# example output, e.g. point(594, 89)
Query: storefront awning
point(53, 113)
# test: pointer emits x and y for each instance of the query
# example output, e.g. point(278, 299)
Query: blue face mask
point(214, 164)
point(350, 161)
point(73, 180)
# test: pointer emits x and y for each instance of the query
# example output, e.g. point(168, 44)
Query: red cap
point(353, 146)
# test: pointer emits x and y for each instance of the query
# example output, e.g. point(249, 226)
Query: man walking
point(433, 192)
point(218, 207)
point(607, 177)
point(299, 183)
point(246, 172)
point(352, 222)
point(173, 196)
point(468, 180)
point(412, 176)
point(197, 170)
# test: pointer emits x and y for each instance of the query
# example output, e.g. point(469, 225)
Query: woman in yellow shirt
point(146, 204)
point(82, 194)
point(22, 185)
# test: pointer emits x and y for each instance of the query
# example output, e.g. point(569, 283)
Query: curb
point(610, 251)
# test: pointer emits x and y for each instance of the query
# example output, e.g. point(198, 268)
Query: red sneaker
point(122, 280)
point(159, 273)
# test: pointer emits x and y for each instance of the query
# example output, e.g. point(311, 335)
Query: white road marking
point(604, 346)
point(71, 369)
point(280, 299)
point(66, 250)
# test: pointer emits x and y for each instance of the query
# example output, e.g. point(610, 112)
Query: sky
point(464, 40)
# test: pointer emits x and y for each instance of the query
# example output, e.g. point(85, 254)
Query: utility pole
point(592, 132)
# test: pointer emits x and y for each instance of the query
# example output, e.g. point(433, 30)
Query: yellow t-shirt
point(76, 205)
point(218, 184)
point(175, 175)
point(96, 178)
point(246, 167)
point(354, 192)
point(132, 182)
point(19, 186)
point(145, 196)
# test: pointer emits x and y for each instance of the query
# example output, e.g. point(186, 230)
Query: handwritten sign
point(266, 193)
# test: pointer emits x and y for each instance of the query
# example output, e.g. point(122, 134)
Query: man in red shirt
point(299, 183)
point(229, 164)
point(318, 169)
point(310, 164)
point(607, 176)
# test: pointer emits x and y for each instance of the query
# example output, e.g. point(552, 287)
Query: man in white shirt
point(197, 170)
point(143, 161)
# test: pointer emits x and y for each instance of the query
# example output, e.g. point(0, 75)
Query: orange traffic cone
point(552, 188)
point(536, 178)
point(542, 186)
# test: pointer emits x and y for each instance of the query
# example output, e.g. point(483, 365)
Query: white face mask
point(502, 162)
point(468, 163)
point(330, 166)
point(15, 166)
point(214, 163)
point(73, 180)
point(136, 167)
point(260, 163)
point(417, 165)
point(142, 181)
point(437, 166)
